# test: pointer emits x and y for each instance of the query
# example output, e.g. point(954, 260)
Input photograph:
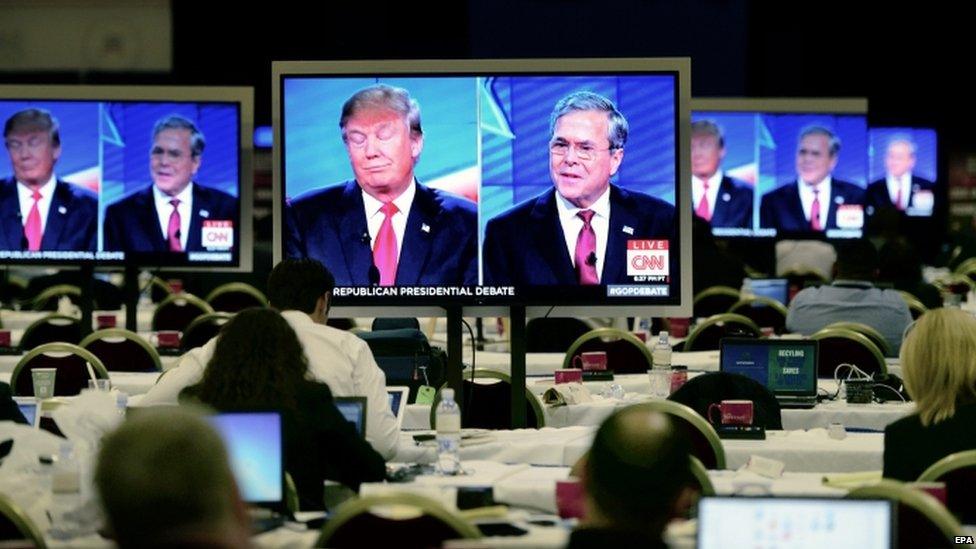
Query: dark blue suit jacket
point(877, 197)
point(525, 245)
point(440, 243)
point(132, 224)
point(72, 220)
point(781, 208)
point(733, 205)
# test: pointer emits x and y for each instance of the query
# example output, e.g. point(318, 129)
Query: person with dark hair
point(576, 232)
point(41, 212)
point(301, 289)
point(169, 214)
point(164, 480)
point(809, 204)
point(384, 226)
point(899, 265)
point(258, 363)
point(636, 478)
point(852, 297)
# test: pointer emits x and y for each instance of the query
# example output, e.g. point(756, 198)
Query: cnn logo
point(647, 258)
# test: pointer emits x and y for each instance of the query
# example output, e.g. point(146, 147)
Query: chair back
point(51, 328)
point(47, 299)
point(714, 300)
point(122, 351)
point(705, 444)
point(839, 346)
point(177, 311)
point(235, 296)
point(553, 335)
point(71, 363)
point(958, 472)
point(915, 305)
point(202, 329)
point(488, 403)
point(395, 323)
point(626, 354)
point(16, 527)
point(766, 312)
point(416, 522)
point(700, 392)
point(922, 521)
point(708, 333)
point(867, 331)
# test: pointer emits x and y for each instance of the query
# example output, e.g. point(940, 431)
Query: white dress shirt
point(823, 194)
point(26, 196)
point(572, 223)
point(375, 217)
point(698, 189)
point(164, 210)
point(337, 358)
point(905, 182)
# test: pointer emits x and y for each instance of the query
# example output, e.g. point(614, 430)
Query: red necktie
point(32, 229)
point(702, 210)
point(586, 251)
point(173, 231)
point(815, 212)
point(898, 196)
point(385, 250)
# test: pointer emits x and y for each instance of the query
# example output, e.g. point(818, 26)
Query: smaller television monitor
point(122, 175)
point(741, 522)
point(783, 168)
point(254, 444)
point(903, 172)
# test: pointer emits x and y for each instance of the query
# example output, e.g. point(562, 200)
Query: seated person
point(258, 363)
point(938, 361)
point(636, 478)
point(852, 297)
point(164, 480)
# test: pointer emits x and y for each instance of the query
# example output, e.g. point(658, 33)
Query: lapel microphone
point(591, 259)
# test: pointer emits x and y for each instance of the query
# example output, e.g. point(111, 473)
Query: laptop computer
point(29, 409)
point(787, 367)
point(353, 408)
point(398, 396)
point(775, 288)
point(255, 448)
point(747, 522)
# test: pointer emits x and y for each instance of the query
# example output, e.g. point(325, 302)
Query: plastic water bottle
point(660, 373)
point(121, 403)
point(745, 291)
point(448, 434)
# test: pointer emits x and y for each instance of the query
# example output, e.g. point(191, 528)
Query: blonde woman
point(938, 361)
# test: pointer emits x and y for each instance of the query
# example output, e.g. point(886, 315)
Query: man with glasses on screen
point(812, 202)
point(170, 214)
point(384, 227)
point(720, 200)
point(41, 212)
point(576, 233)
point(900, 189)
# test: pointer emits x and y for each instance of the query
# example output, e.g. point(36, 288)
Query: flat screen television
point(558, 184)
point(903, 172)
point(151, 176)
point(780, 168)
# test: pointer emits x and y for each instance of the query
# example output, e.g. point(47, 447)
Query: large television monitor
point(113, 175)
point(903, 172)
point(780, 168)
point(488, 183)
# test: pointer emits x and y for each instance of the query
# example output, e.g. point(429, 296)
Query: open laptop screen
point(254, 444)
point(354, 410)
point(745, 522)
point(775, 288)
point(787, 367)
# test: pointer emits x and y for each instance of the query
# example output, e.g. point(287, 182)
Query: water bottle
point(66, 474)
point(448, 435)
point(660, 373)
point(745, 291)
point(121, 403)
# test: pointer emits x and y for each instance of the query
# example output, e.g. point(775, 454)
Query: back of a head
point(938, 361)
point(898, 261)
point(636, 469)
point(297, 284)
point(857, 260)
point(164, 477)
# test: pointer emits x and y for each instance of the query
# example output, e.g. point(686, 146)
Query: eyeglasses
point(584, 151)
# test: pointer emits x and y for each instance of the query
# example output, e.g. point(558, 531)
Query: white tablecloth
point(130, 383)
point(12, 320)
point(9, 362)
point(538, 447)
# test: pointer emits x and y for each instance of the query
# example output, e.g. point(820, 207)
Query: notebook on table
point(787, 367)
